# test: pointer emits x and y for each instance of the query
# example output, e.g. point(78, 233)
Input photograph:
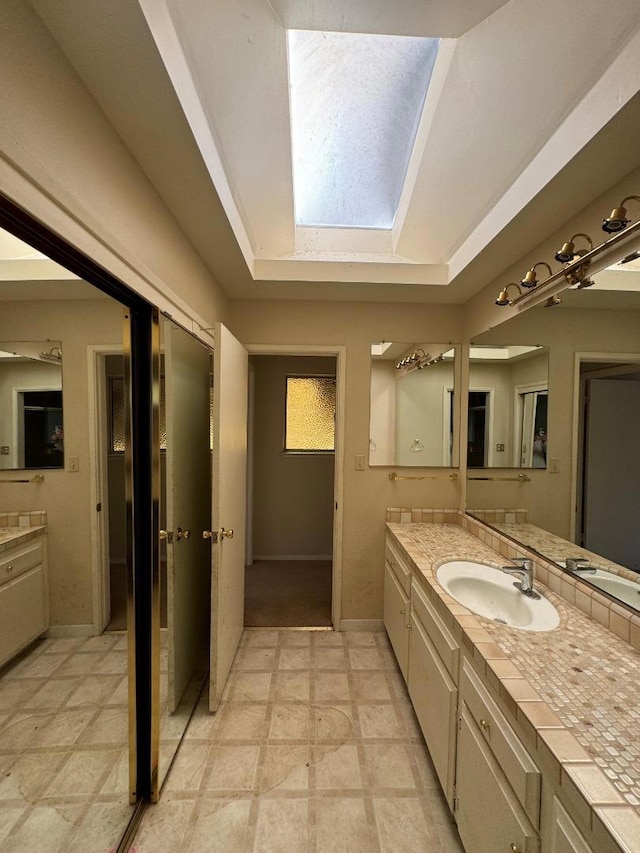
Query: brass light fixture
point(503, 296)
point(617, 220)
point(530, 279)
point(568, 252)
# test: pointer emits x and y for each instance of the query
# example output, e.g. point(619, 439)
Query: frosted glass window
point(310, 413)
point(117, 411)
point(355, 103)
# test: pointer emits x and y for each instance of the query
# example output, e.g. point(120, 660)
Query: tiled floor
point(315, 749)
point(63, 746)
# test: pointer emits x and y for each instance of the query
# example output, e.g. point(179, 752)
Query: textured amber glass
point(311, 410)
point(116, 403)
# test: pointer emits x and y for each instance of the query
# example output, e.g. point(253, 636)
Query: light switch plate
point(359, 461)
point(74, 464)
point(554, 465)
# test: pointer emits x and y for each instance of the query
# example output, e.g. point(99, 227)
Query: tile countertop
point(11, 536)
point(555, 548)
point(574, 691)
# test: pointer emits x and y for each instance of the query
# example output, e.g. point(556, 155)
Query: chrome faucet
point(524, 568)
point(573, 564)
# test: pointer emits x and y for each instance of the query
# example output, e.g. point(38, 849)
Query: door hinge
point(98, 507)
point(456, 798)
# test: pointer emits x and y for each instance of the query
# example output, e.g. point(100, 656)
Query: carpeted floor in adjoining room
point(288, 593)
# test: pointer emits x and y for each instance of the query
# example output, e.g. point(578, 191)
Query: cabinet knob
point(486, 726)
point(9, 568)
point(514, 848)
point(402, 612)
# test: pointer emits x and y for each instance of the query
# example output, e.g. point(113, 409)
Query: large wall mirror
point(412, 419)
point(31, 423)
point(584, 504)
point(508, 394)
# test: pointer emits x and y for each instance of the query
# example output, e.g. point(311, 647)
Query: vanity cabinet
point(24, 599)
point(433, 671)
point(564, 836)
point(498, 785)
point(397, 585)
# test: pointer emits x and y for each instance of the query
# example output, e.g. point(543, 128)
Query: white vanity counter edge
point(515, 665)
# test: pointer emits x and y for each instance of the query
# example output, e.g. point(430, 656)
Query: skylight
point(356, 102)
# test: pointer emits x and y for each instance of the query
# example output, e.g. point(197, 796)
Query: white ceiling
point(521, 92)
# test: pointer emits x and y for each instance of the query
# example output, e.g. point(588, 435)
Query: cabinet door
point(490, 819)
point(435, 697)
point(23, 612)
point(565, 837)
point(396, 619)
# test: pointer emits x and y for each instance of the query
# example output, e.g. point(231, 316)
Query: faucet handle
point(573, 563)
point(523, 562)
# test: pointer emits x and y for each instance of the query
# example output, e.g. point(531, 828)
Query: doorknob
point(167, 534)
point(182, 534)
point(210, 534)
point(218, 535)
point(228, 534)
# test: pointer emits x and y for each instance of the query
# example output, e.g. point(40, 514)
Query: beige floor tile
point(46, 829)
point(370, 685)
point(334, 722)
point(284, 768)
point(64, 727)
point(82, 772)
point(29, 775)
point(241, 722)
point(114, 663)
point(203, 724)
point(298, 639)
point(93, 690)
point(291, 686)
point(365, 658)
point(120, 695)
point(257, 659)
point(328, 639)
point(290, 722)
point(361, 638)
point(117, 782)
point(105, 643)
point(337, 767)
point(295, 658)
point(231, 768)
point(331, 659)
point(260, 638)
point(402, 827)
point(164, 827)
point(282, 826)
point(248, 687)
point(342, 826)
point(21, 730)
point(220, 825)
point(101, 828)
point(16, 693)
point(35, 666)
point(388, 766)
point(379, 721)
point(188, 767)
point(111, 726)
point(331, 687)
point(8, 819)
point(79, 664)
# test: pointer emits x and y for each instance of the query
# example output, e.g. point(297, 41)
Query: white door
point(230, 392)
point(188, 510)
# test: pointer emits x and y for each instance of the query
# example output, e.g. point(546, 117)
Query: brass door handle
point(166, 534)
point(227, 534)
point(182, 534)
point(210, 534)
point(218, 535)
point(485, 725)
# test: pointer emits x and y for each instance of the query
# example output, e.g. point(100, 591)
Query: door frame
point(577, 431)
point(340, 353)
point(99, 480)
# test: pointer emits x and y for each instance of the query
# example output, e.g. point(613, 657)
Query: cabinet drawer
point(19, 560)
point(490, 819)
point(23, 612)
point(435, 701)
point(439, 634)
point(398, 566)
point(522, 773)
point(565, 837)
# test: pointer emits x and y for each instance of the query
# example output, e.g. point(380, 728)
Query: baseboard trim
point(57, 631)
point(361, 625)
point(261, 558)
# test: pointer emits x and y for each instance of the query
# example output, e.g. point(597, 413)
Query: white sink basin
point(623, 589)
point(491, 593)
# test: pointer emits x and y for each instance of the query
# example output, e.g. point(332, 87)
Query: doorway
point(478, 442)
point(291, 491)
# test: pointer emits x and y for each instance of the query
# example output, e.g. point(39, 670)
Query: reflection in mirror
point(584, 506)
point(508, 388)
point(412, 403)
point(31, 426)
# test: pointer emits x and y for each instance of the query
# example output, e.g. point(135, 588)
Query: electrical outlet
point(4, 450)
point(74, 464)
point(499, 448)
point(359, 461)
point(554, 465)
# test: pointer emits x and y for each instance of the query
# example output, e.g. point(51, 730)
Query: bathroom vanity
point(24, 596)
point(532, 733)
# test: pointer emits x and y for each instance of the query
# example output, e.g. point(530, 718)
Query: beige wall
point(566, 331)
point(292, 493)
point(62, 160)
point(367, 493)
point(64, 495)
point(422, 413)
